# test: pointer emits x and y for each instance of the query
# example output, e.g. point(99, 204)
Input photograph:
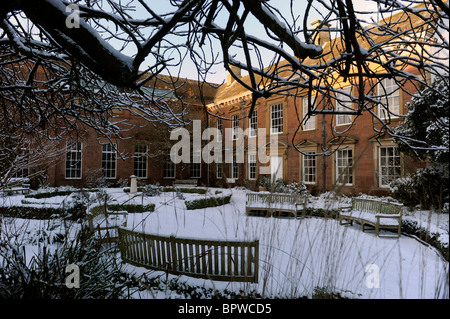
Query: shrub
point(279, 186)
point(43, 277)
point(428, 187)
point(49, 194)
point(207, 202)
point(133, 208)
point(185, 190)
point(72, 213)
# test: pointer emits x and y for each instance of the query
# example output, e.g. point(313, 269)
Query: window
point(73, 160)
point(389, 94)
point(235, 123)
point(344, 103)
point(389, 165)
point(169, 168)
point(219, 129)
point(234, 168)
point(309, 168)
point(196, 168)
point(253, 123)
point(109, 160)
point(22, 171)
point(219, 170)
point(344, 167)
point(140, 161)
point(251, 166)
point(310, 124)
point(276, 118)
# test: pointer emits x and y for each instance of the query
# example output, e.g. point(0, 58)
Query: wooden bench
point(208, 259)
point(274, 204)
point(17, 185)
point(373, 213)
point(185, 182)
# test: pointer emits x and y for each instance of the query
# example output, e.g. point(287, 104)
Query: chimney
point(322, 35)
point(237, 71)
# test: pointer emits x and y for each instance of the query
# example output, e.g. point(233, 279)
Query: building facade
point(346, 153)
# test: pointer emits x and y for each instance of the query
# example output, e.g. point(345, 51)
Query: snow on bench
point(376, 214)
point(274, 203)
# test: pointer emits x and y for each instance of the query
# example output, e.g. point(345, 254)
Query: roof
point(191, 91)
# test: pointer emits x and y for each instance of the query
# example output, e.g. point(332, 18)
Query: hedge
point(73, 213)
point(172, 189)
point(57, 193)
point(130, 208)
point(207, 202)
point(133, 208)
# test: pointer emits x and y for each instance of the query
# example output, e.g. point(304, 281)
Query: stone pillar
point(133, 184)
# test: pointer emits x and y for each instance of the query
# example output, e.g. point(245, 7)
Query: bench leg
point(342, 223)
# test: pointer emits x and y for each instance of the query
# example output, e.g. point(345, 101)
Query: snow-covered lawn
point(297, 256)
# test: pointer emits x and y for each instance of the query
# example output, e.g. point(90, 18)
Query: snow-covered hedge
point(207, 202)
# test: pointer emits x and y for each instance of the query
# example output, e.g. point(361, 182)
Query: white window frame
point(169, 167)
point(140, 161)
point(276, 118)
point(252, 166)
point(235, 126)
point(386, 164)
point(344, 163)
point(310, 124)
point(253, 123)
point(74, 160)
point(196, 167)
point(344, 103)
point(389, 95)
point(234, 168)
point(109, 160)
point(309, 168)
point(219, 129)
point(219, 171)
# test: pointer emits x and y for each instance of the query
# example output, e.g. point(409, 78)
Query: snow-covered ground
point(296, 255)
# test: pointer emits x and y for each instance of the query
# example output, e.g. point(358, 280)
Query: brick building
point(360, 159)
point(142, 151)
point(355, 157)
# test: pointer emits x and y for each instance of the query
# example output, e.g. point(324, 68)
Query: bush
point(185, 190)
point(58, 193)
point(44, 276)
point(280, 187)
point(412, 228)
point(428, 187)
point(133, 208)
point(207, 202)
point(72, 213)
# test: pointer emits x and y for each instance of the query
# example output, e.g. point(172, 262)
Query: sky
point(219, 74)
